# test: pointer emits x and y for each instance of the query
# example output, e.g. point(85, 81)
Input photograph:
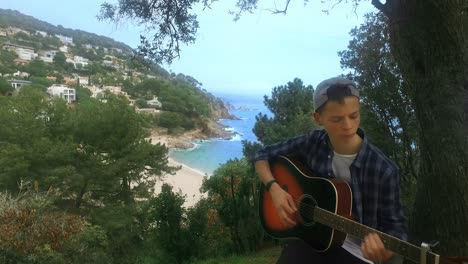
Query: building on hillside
point(117, 50)
point(65, 39)
point(62, 91)
point(3, 32)
point(26, 54)
point(81, 60)
point(99, 91)
point(23, 52)
point(64, 49)
point(154, 103)
point(11, 31)
point(83, 80)
point(17, 84)
point(46, 59)
point(108, 63)
point(52, 78)
point(42, 33)
point(21, 61)
point(47, 55)
point(21, 74)
point(78, 62)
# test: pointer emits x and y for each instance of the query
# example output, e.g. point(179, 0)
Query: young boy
point(340, 150)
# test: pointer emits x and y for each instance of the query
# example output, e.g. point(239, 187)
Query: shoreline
point(188, 180)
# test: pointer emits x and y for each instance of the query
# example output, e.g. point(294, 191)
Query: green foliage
point(292, 106)
point(60, 59)
point(387, 111)
point(33, 233)
point(82, 94)
point(141, 103)
point(181, 26)
point(28, 152)
point(41, 81)
point(233, 194)
point(37, 68)
point(168, 217)
point(7, 59)
point(5, 87)
point(265, 256)
point(174, 120)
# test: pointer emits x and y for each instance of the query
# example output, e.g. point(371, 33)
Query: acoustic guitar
point(323, 217)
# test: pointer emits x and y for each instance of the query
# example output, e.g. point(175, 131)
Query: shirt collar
point(358, 161)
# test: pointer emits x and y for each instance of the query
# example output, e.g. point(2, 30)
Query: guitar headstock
point(453, 260)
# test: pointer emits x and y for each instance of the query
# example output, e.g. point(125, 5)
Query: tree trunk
point(428, 42)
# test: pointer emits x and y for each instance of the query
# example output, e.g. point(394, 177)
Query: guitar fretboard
point(359, 230)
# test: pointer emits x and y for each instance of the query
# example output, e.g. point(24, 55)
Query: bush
point(32, 232)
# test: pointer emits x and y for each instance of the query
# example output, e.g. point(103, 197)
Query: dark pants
point(298, 252)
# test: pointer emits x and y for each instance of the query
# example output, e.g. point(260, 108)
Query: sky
point(250, 56)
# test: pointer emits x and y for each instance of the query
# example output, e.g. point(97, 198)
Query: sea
point(207, 155)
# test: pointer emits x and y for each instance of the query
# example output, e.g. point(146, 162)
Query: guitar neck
point(358, 230)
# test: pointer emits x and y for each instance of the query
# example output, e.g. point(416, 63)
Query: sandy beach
point(187, 180)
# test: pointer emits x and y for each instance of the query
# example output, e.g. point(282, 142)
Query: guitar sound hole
point(306, 209)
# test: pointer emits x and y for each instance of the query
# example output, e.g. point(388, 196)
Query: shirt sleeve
point(291, 147)
point(392, 218)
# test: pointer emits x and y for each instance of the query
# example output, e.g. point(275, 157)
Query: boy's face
point(340, 120)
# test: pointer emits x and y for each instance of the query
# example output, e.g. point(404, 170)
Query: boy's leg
point(340, 255)
point(299, 252)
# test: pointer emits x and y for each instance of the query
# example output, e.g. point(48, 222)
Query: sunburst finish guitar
point(324, 210)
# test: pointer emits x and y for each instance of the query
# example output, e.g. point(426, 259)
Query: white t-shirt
point(340, 166)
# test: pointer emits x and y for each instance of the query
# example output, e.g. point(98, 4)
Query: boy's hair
point(334, 89)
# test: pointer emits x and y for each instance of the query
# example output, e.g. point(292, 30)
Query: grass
point(265, 256)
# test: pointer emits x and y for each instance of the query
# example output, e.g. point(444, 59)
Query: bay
point(208, 155)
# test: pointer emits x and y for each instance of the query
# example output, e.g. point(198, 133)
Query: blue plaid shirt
point(375, 179)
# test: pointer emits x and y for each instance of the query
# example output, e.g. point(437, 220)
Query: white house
point(62, 91)
point(64, 49)
point(78, 60)
point(47, 55)
point(26, 54)
point(21, 74)
point(83, 61)
point(46, 59)
point(17, 84)
point(84, 80)
point(154, 102)
point(65, 39)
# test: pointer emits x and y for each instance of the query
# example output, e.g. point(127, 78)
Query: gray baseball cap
point(320, 93)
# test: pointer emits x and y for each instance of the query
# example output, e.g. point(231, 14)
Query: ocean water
point(208, 155)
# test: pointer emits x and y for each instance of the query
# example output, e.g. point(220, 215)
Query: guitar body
point(308, 192)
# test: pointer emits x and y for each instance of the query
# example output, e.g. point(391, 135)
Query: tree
point(28, 153)
point(168, 216)
point(428, 41)
point(292, 107)
point(429, 45)
point(5, 87)
point(233, 193)
point(387, 111)
point(60, 59)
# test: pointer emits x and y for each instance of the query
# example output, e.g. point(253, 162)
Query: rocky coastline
point(185, 140)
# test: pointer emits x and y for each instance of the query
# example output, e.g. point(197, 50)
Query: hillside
point(45, 54)
point(10, 17)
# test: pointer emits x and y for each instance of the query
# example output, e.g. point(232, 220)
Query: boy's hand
point(284, 204)
point(373, 249)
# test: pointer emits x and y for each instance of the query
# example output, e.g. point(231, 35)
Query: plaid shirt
point(375, 179)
